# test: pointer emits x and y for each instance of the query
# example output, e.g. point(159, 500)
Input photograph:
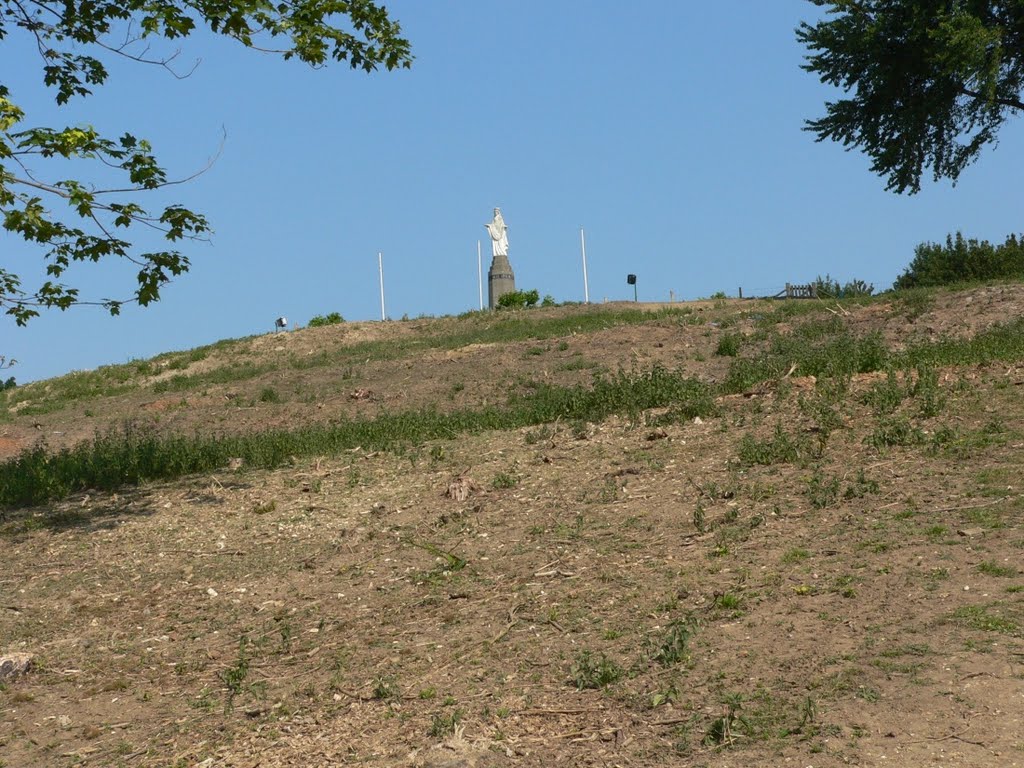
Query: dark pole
point(635, 300)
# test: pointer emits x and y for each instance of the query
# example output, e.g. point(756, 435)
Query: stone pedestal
point(500, 280)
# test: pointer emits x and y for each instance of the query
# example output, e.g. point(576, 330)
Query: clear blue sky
point(670, 130)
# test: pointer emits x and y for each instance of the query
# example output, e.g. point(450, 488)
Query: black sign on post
point(631, 280)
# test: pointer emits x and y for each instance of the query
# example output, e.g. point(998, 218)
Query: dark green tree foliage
point(519, 299)
point(69, 220)
point(928, 83)
point(333, 318)
point(963, 260)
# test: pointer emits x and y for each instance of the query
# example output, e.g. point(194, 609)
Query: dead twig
point(512, 621)
point(231, 552)
point(545, 712)
point(949, 737)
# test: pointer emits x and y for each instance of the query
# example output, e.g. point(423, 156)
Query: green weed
point(984, 618)
point(590, 671)
point(990, 568)
point(504, 480)
point(897, 431)
point(386, 688)
point(234, 676)
point(443, 725)
point(795, 555)
point(670, 649)
point(780, 448)
point(884, 397)
point(822, 491)
point(729, 345)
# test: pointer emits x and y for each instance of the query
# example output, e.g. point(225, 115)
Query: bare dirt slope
point(645, 591)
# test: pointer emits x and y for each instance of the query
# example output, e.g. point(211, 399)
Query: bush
point(857, 288)
point(963, 260)
point(590, 671)
point(827, 288)
point(729, 345)
point(9, 384)
point(269, 395)
point(333, 318)
point(519, 299)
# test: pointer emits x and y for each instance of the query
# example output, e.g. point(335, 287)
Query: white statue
point(499, 234)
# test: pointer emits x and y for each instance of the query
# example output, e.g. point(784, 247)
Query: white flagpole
point(380, 267)
point(586, 286)
point(480, 274)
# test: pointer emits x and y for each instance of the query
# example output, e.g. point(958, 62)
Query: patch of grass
point(761, 717)
point(821, 348)
point(825, 348)
point(990, 568)
point(504, 480)
point(860, 487)
point(593, 671)
point(884, 397)
point(269, 395)
point(795, 555)
point(986, 516)
point(133, 454)
point(988, 618)
point(223, 375)
point(780, 448)
point(897, 431)
point(577, 364)
point(914, 302)
point(926, 389)
point(911, 649)
point(491, 328)
point(56, 394)
point(729, 345)
point(728, 601)
point(1001, 343)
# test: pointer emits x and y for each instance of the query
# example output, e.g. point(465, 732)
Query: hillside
point(730, 533)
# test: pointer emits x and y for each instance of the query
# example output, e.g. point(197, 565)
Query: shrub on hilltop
point(318, 321)
point(962, 260)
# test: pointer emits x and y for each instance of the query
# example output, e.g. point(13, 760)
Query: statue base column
point(500, 280)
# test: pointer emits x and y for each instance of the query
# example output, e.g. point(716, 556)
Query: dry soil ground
point(625, 593)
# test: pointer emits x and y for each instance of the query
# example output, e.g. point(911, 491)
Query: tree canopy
point(78, 220)
point(928, 83)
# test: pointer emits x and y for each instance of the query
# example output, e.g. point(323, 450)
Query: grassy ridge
point(131, 455)
point(823, 348)
point(475, 328)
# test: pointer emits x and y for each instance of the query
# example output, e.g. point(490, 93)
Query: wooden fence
point(809, 291)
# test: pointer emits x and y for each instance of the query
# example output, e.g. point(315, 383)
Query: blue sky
point(670, 130)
